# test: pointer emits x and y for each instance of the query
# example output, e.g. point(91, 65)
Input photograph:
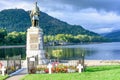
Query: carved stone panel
point(34, 38)
point(33, 47)
point(34, 41)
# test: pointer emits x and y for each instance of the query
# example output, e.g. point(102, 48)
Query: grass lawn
point(91, 73)
point(3, 77)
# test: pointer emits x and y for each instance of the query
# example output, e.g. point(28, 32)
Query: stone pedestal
point(34, 45)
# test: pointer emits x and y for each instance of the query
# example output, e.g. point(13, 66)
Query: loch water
point(96, 51)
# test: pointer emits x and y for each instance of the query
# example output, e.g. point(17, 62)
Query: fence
point(58, 65)
point(11, 63)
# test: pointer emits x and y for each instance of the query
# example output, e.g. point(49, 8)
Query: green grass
point(91, 73)
point(3, 77)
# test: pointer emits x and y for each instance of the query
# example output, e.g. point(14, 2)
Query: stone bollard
point(80, 68)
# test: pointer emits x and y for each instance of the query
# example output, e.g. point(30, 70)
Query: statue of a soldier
point(34, 15)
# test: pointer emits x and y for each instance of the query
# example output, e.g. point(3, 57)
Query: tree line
point(68, 38)
point(16, 38)
point(12, 38)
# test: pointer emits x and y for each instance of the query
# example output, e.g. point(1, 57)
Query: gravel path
point(19, 75)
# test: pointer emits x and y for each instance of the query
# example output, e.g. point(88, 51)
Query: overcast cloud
point(96, 15)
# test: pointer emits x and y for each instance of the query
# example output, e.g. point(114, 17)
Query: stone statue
point(35, 41)
point(34, 15)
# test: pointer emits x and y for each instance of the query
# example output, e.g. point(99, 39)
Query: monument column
point(35, 46)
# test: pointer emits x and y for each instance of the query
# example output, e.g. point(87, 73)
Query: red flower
point(46, 70)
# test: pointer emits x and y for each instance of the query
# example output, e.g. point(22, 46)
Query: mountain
point(114, 36)
point(19, 20)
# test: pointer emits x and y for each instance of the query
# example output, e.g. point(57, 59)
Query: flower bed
point(10, 69)
point(57, 69)
point(41, 69)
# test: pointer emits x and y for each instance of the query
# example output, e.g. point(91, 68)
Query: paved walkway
point(18, 75)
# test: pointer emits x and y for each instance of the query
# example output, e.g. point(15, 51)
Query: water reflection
point(103, 51)
point(68, 53)
point(4, 52)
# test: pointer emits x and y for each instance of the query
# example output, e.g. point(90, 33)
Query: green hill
point(114, 36)
point(19, 20)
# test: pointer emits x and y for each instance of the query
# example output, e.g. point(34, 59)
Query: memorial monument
point(35, 43)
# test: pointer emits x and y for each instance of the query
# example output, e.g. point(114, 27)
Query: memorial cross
point(3, 70)
point(50, 68)
point(80, 68)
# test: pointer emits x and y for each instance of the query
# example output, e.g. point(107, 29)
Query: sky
point(100, 16)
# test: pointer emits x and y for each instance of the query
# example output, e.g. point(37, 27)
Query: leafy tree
point(16, 38)
point(57, 53)
point(3, 33)
point(75, 39)
point(69, 38)
point(61, 38)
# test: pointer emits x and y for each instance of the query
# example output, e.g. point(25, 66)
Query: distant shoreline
point(86, 63)
point(12, 46)
point(101, 62)
point(18, 46)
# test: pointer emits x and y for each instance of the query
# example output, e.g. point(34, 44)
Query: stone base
point(39, 53)
point(34, 39)
point(35, 46)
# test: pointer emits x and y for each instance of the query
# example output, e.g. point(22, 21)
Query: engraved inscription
point(33, 38)
point(33, 47)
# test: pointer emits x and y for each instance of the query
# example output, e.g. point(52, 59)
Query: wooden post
point(28, 64)
point(83, 58)
point(7, 64)
point(14, 64)
point(20, 61)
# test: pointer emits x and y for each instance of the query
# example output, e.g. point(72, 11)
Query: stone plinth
point(34, 45)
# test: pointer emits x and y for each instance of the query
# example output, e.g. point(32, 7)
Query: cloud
point(5, 4)
point(104, 30)
point(89, 19)
point(95, 15)
point(107, 5)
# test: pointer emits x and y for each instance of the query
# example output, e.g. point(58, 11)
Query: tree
point(57, 54)
point(16, 38)
point(22, 36)
point(45, 39)
point(69, 38)
point(61, 38)
point(3, 33)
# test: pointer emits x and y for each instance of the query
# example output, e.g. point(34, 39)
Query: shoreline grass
point(3, 77)
point(91, 73)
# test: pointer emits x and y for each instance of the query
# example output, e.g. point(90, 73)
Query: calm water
point(4, 52)
point(102, 51)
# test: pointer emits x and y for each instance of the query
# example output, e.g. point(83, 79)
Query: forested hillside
point(19, 20)
point(114, 36)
